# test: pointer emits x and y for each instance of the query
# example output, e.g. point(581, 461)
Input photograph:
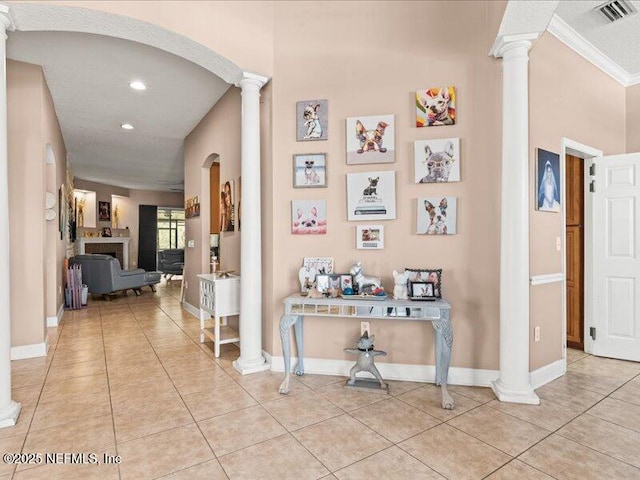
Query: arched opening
point(211, 211)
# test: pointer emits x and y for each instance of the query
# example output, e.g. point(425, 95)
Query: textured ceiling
point(88, 76)
point(620, 41)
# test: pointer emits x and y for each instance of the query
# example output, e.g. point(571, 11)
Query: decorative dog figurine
point(438, 108)
point(400, 285)
point(310, 174)
point(364, 363)
point(362, 280)
point(370, 140)
point(438, 225)
point(438, 164)
point(312, 121)
point(372, 189)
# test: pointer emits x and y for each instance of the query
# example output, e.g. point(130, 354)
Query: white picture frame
point(371, 196)
point(370, 237)
point(437, 161)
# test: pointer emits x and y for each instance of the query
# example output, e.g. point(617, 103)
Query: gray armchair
point(171, 261)
point(102, 274)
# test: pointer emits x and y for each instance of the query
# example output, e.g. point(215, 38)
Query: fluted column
point(9, 410)
point(514, 383)
point(251, 359)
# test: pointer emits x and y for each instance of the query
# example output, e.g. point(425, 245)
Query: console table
point(437, 312)
point(219, 298)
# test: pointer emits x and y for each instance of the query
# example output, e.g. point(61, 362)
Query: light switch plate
point(558, 243)
point(191, 243)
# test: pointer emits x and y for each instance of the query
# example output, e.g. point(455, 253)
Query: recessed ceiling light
point(127, 126)
point(137, 85)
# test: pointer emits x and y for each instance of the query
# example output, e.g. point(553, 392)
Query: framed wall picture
point(422, 290)
point(227, 207)
point(370, 237)
point(312, 120)
point(104, 211)
point(437, 216)
point(437, 161)
point(371, 196)
point(310, 170)
point(309, 217)
point(548, 181)
point(426, 275)
point(436, 106)
point(371, 139)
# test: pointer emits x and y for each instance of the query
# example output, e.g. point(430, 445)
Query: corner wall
point(632, 102)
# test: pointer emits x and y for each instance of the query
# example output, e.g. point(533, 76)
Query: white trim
point(572, 39)
point(55, 321)
point(195, 311)
point(548, 373)
point(501, 41)
point(390, 371)
point(29, 351)
point(546, 278)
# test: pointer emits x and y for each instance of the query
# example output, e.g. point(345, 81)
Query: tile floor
point(128, 377)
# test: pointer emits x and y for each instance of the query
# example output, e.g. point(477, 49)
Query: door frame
point(586, 153)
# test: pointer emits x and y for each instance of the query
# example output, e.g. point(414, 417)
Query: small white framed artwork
point(309, 217)
point(437, 216)
point(371, 196)
point(370, 139)
point(437, 161)
point(370, 237)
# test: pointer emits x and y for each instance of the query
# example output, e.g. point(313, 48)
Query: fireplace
point(117, 247)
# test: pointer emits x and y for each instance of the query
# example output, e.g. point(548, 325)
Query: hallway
point(127, 377)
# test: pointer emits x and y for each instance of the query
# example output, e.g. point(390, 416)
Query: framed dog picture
point(309, 217)
point(371, 196)
point(436, 106)
point(104, 211)
point(433, 276)
point(371, 140)
point(310, 170)
point(437, 161)
point(346, 281)
point(422, 291)
point(322, 283)
point(548, 181)
point(312, 120)
point(437, 216)
point(318, 264)
point(370, 237)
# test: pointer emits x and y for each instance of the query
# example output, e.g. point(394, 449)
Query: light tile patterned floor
point(128, 377)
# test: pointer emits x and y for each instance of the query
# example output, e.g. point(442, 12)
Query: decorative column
point(514, 383)
point(251, 359)
point(9, 410)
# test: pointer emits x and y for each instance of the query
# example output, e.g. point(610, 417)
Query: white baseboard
point(548, 373)
point(391, 371)
point(29, 351)
point(55, 321)
point(195, 311)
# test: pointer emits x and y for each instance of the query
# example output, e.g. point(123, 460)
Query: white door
point(615, 253)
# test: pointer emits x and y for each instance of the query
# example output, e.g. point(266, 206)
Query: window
point(170, 228)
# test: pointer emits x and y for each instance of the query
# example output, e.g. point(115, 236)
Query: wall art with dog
point(309, 217)
point(436, 106)
point(437, 160)
point(370, 139)
point(312, 120)
point(548, 181)
point(371, 196)
point(426, 275)
point(370, 237)
point(310, 170)
point(437, 216)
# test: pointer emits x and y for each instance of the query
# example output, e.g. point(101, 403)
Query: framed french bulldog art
point(310, 170)
point(436, 106)
point(371, 196)
point(312, 120)
point(370, 237)
point(309, 217)
point(371, 140)
point(437, 216)
point(437, 161)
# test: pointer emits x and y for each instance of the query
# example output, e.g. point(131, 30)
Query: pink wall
point(565, 101)
point(633, 118)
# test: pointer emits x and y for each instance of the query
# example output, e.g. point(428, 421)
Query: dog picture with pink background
point(309, 217)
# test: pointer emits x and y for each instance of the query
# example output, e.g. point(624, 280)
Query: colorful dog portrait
point(309, 217)
point(437, 216)
point(437, 161)
point(370, 140)
point(309, 170)
point(436, 106)
point(548, 181)
point(312, 120)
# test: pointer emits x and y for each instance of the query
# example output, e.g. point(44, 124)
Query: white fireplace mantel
point(81, 242)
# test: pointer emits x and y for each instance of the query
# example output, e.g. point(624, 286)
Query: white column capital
point(250, 79)
point(512, 43)
point(5, 18)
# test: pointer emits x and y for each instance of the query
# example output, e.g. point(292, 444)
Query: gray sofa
point(171, 261)
point(103, 275)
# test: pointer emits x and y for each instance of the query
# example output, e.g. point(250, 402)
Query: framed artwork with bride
point(548, 182)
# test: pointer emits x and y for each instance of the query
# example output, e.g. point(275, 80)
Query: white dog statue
point(400, 286)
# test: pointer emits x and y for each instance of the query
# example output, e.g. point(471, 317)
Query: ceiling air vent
point(616, 10)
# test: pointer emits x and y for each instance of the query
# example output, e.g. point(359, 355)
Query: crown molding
point(572, 39)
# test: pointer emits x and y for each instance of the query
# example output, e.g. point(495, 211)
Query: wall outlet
point(536, 334)
point(365, 327)
point(558, 243)
point(191, 243)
